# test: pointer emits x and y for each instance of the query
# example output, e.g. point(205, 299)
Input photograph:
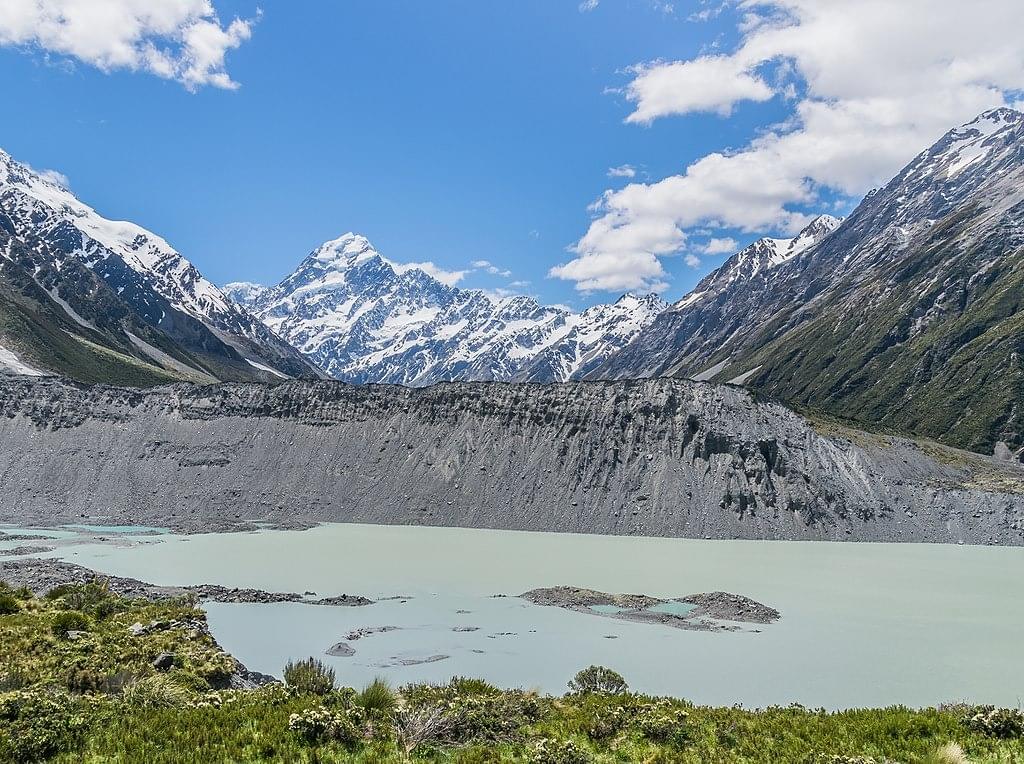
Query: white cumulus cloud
point(877, 81)
point(182, 40)
point(451, 278)
point(720, 246)
point(708, 83)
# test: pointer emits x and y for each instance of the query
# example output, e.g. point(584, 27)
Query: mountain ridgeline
point(363, 318)
point(106, 301)
point(657, 457)
point(908, 314)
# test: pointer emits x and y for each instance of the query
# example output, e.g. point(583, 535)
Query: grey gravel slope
point(655, 457)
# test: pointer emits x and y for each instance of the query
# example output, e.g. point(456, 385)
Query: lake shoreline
point(43, 575)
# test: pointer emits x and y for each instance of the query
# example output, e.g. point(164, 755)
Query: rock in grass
point(163, 662)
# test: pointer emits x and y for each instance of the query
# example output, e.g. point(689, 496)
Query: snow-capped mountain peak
point(145, 252)
point(345, 251)
point(762, 256)
point(972, 142)
point(365, 318)
point(813, 232)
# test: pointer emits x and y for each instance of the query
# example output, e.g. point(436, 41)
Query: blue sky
point(453, 132)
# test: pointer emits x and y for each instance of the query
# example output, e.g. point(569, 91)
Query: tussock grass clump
point(377, 697)
point(67, 621)
point(9, 604)
point(157, 691)
point(309, 676)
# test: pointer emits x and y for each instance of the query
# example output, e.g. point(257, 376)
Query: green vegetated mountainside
point(90, 676)
point(44, 337)
point(907, 315)
point(104, 301)
point(958, 378)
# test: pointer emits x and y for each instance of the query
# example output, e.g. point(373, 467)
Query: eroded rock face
point(655, 457)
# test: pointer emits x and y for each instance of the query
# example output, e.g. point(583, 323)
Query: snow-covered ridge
point(140, 266)
point(760, 257)
point(147, 253)
point(364, 318)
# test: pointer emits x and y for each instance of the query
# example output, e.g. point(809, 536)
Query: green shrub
point(69, 620)
point(377, 697)
point(9, 604)
point(469, 686)
point(36, 725)
point(93, 598)
point(662, 722)
point(598, 679)
point(996, 722)
point(548, 751)
point(57, 592)
point(491, 716)
point(15, 678)
point(318, 725)
point(309, 676)
point(608, 721)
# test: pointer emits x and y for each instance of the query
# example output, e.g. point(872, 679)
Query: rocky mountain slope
point(363, 318)
point(657, 457)
point(908, 314)
point(104, 300)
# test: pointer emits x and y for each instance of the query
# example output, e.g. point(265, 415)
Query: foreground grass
point(94, 695)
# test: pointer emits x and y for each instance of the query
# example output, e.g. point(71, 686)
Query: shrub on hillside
point(309, 676)
point(67, 621)
point(996, 722)
point(318, 725)
point(549, 751)
point(35, 725)
point(663, 722)
point(598, 679)
point(9, 604)
point(93, 598)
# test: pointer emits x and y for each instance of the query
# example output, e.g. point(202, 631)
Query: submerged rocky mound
point(709, 611)
point(656, 457)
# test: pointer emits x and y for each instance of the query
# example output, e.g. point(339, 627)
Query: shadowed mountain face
point(366, 319)
point(102, 300)
point(655, 457)
point(908, 314)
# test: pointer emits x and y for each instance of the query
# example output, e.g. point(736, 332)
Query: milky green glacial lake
point(862, 624)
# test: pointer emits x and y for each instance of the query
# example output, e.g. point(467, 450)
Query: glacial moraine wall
point(658, 457)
